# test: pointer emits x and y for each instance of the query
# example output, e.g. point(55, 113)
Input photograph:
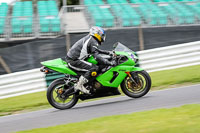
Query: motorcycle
point(134, 81)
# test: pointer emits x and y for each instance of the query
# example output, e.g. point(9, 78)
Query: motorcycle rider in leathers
point(81, 50)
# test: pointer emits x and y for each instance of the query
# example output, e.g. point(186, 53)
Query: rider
point(81, 50)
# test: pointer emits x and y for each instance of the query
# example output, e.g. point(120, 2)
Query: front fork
point(134, 77)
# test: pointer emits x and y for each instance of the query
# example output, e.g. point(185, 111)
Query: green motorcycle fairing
point(58, 65)
point(121, 69)
point(106, 79)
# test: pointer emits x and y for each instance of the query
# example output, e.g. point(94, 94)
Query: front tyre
point(55, 97)
point(137, 85)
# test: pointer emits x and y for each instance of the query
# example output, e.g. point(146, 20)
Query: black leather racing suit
point(81, 50)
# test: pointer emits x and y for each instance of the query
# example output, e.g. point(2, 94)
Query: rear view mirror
point(115, 45)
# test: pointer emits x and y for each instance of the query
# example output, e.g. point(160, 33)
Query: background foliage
point(69, 2)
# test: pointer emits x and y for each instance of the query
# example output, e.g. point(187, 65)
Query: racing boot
point(79, 85)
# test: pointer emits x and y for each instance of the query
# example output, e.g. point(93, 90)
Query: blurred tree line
point(72, 2)
point(69, 2)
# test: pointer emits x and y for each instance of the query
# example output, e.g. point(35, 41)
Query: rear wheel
point(137, 85)
point(57, 99)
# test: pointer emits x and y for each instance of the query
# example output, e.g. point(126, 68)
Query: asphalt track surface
point(113, 106)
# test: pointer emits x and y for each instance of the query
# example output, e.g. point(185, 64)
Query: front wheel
point(137, 85)
point(57, 99)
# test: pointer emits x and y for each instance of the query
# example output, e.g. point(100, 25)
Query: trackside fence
point(170, 57)
point(158, 59)
point(21, 83)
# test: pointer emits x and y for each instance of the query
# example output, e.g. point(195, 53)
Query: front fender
point(127, 68)
point(137, 69)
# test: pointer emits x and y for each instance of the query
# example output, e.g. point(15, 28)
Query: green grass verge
point(167, 78)
point(184, 119)
point(160, 80)
point(23, 103)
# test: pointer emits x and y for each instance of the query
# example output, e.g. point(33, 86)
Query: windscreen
point(120, 47)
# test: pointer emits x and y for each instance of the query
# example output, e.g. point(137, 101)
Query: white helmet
point(98, 33)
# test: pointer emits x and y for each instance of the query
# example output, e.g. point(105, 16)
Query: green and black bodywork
point(134, 81)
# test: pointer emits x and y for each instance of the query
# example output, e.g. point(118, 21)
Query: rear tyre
point(140, 87)
point(55, 97)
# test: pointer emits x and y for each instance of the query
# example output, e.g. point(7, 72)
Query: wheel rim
point(58, 98)
point(132, 87)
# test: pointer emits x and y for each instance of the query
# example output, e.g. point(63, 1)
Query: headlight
point(134, 58)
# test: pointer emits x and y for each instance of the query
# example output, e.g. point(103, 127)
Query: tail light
point(44, 69)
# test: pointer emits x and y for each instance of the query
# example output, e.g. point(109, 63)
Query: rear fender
point(58, 65)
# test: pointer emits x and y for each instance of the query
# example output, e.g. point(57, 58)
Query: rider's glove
point(111, 53)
